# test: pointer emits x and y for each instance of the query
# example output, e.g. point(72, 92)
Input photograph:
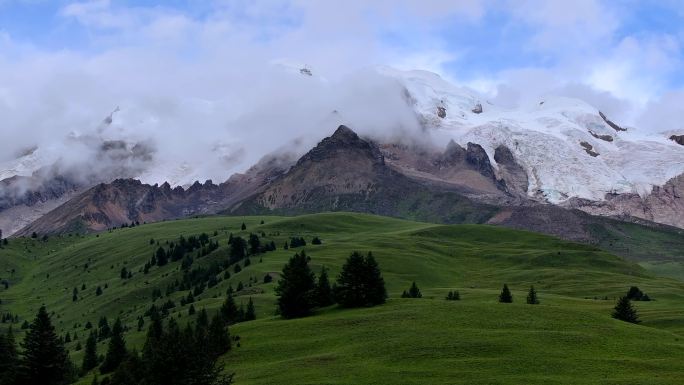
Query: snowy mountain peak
point(568, 148)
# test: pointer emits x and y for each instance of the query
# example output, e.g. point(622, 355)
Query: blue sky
point(625, 56)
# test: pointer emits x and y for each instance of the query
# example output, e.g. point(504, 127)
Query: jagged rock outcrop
point(665, 204)
point(607, 138)
point(611, 123)
point(679, 139)
point(589, 149)
point(511, 171)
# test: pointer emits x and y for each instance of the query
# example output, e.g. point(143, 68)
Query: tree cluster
point(175, 356)
point(297, 242)
point(635, 294)
point(413, 292)
point(359, 284)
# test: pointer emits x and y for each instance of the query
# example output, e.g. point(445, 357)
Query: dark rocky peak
point(503, 155)
point(343, 140)
point(125, 183)
point(195, 187)
point(454, 153)
point(166, 187)
point(344, 134)
point(679, 139)
point(477, 157)
point(610, 123)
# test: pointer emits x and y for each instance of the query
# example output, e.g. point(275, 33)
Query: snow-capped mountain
point(571, 153)
point(568, 148)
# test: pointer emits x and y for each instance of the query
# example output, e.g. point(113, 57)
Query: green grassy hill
point(569, 338)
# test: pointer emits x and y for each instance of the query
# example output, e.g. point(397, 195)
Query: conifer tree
point(44, 358)
point(360, 282)
point(116, 351)
point(218, 337)
point(9, 358)
point(229, 310)
point(250, 313)
point(90, 354)
point(624, 311)
point(161, 257)
point(296, 288)
point(505, 296)
point(414, 291)
point(324, 294)
point(532, 296)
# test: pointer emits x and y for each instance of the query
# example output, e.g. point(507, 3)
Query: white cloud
point(189, 82)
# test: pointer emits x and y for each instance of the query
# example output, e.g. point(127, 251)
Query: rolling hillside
point(569, 338)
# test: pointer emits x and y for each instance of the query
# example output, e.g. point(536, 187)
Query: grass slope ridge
point(569, 338)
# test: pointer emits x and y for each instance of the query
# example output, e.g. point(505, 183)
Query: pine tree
point(360, 282)
point(229, 310)
point(453, 296)
point(532, 297)
point(9, 358)
point(116, 351)
point(324, 294)
point(243, 227)
point(296, 288)
point(250, 314)
point(414, 291)
point(505, 296)
point(90, 354)
point(218, 337)
point(254, 244)
point(44, 358)
point(625, 312)
point(377, 294)
point(161, 257)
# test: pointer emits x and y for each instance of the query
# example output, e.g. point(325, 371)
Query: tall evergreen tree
point(505, 296)
point(229, 310)
point(218, 338)
point(9, 359)
point(250, 313)
point(116, 351)
point(296, 288)
point(360, 282)
point(90, 354)
point(238, 250)
point(532, 298)
point(324, 294)
point(254, 244)
point(625, 312)
point(44, 358)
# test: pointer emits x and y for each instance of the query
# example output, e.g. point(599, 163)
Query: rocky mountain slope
point(345, 172)
point(560, 151)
